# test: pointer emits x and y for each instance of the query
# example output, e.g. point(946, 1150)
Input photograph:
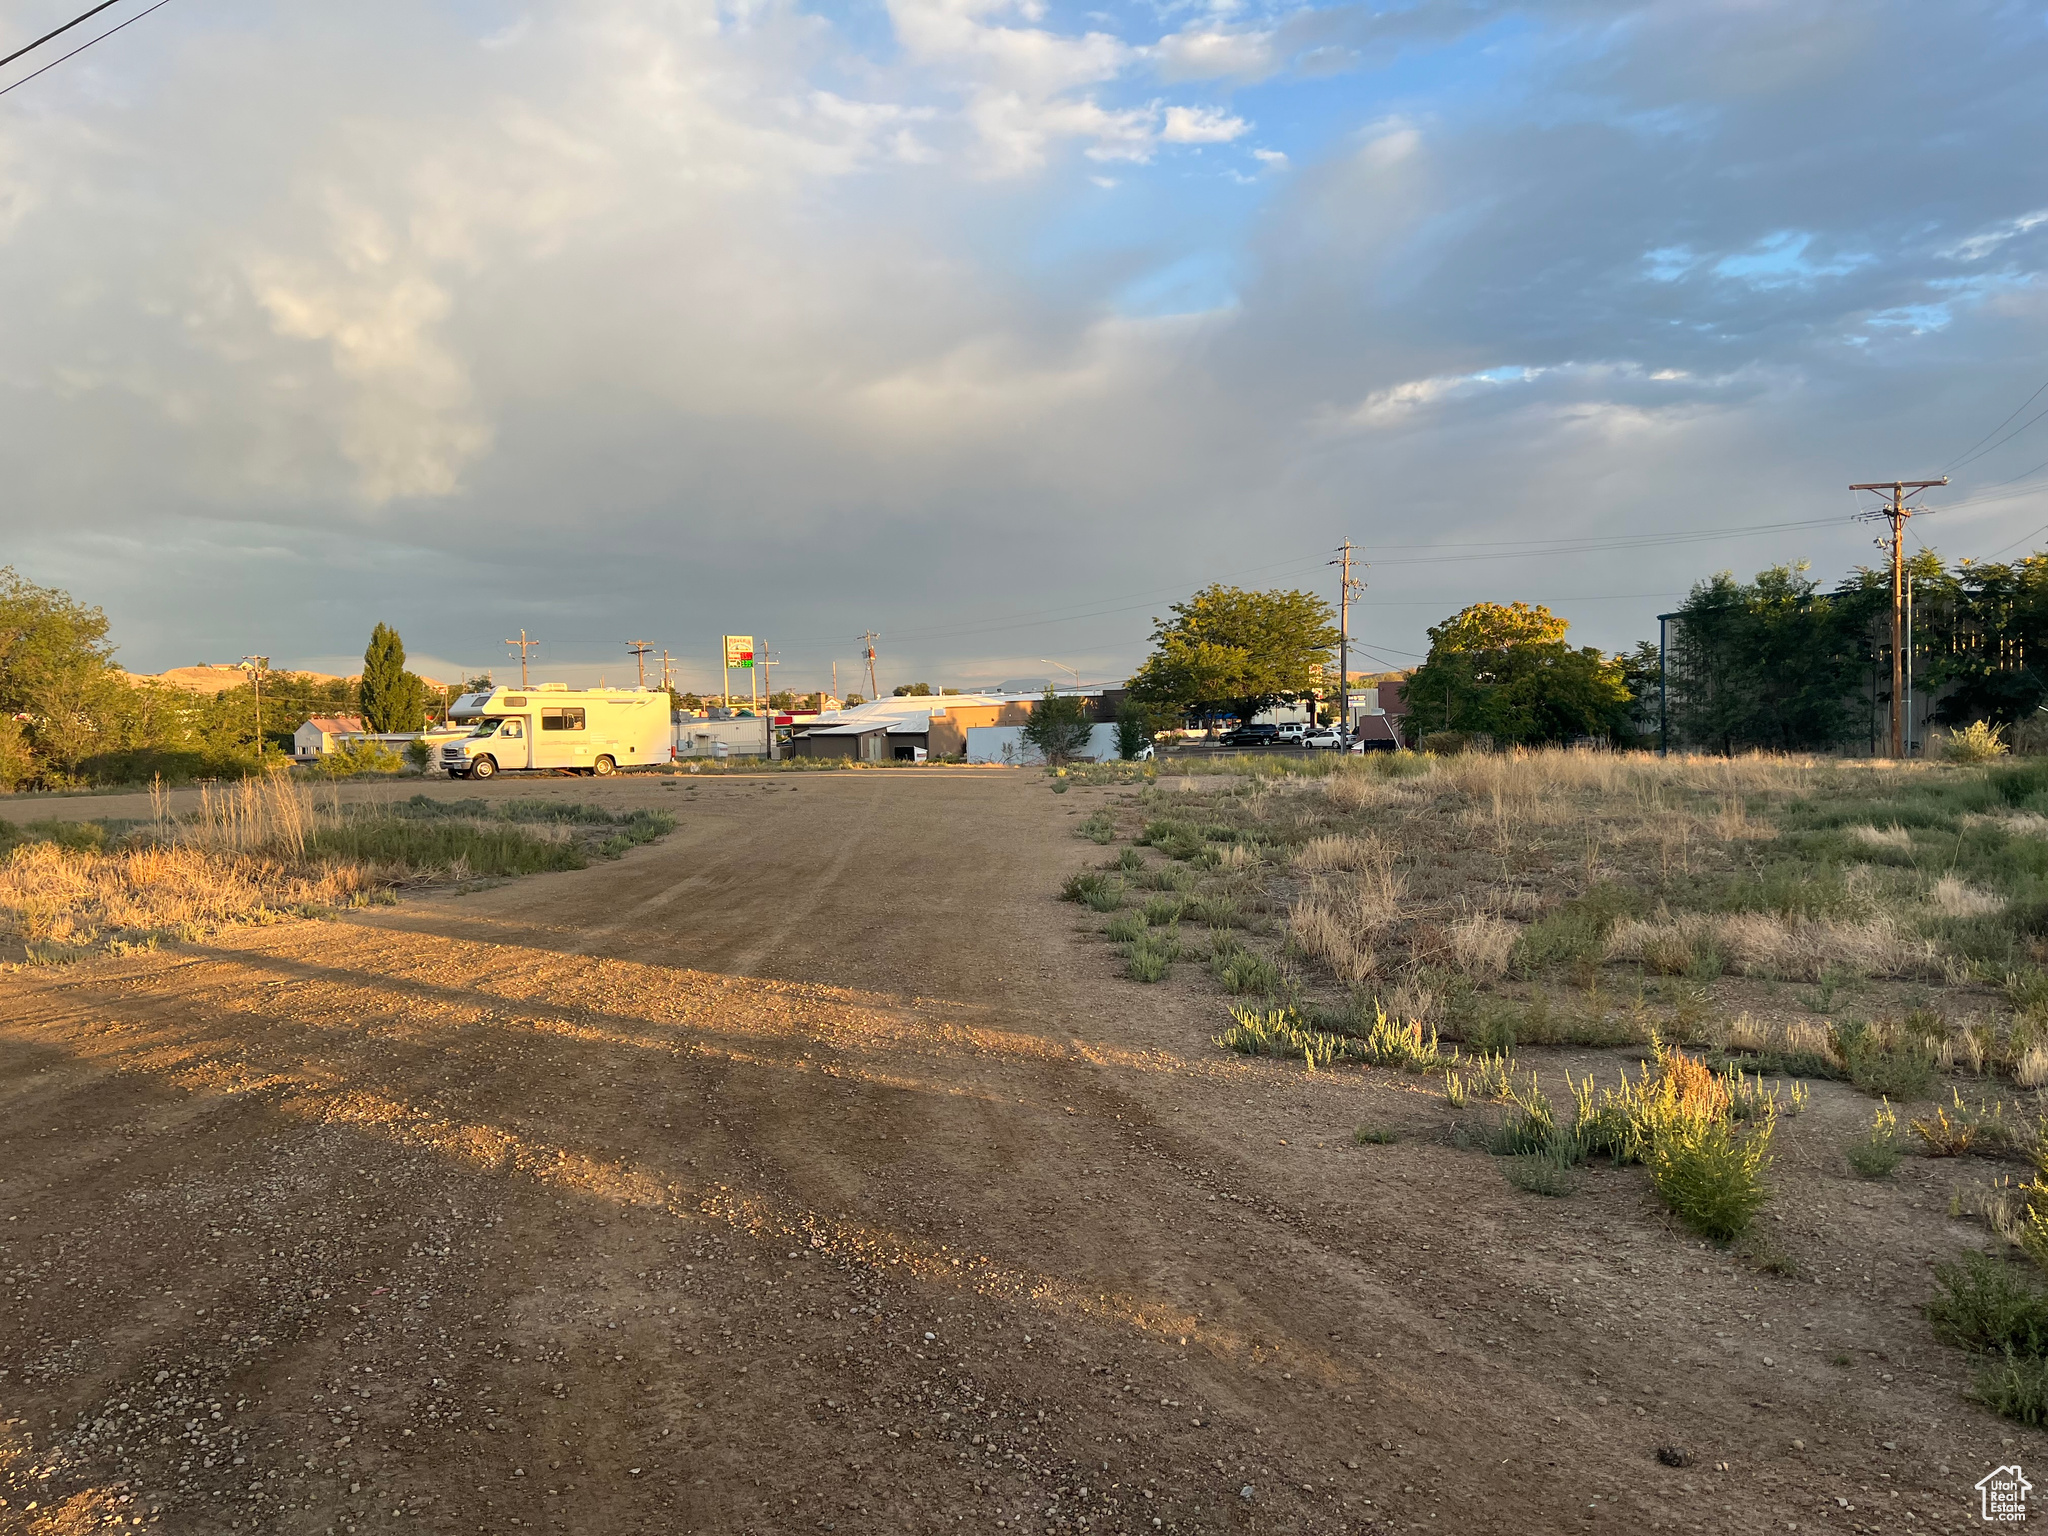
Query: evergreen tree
point(392, 697)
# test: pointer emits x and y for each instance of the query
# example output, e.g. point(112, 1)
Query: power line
point(1964, 457)
point(74, 53)
point(74, 21)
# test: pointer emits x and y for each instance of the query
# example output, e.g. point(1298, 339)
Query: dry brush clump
point(50, 895)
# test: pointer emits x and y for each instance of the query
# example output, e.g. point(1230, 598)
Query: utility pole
point(868, 639)
point(256, 666)
point(1351, 589)
point(668, 672)
point(835, 688)
point(767, 666)
point(524, 645)
point(639, 650)
point(1895, 511)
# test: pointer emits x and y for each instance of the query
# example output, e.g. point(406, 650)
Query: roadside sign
point(739, 650)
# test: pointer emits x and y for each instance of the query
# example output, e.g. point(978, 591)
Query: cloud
point(673, 319)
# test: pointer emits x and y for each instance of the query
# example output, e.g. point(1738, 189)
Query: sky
point(996, 326)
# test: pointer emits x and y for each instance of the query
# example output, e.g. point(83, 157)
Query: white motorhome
point(555, 727)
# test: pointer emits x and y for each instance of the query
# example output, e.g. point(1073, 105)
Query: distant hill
point(219, 677)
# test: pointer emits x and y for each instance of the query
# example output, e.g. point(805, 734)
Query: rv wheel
point(603, 767)
point(482, 768)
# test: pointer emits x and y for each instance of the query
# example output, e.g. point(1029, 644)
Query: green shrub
point(1245, 971)
point(1180, 881)
point(1099, 828)
point(1712, 1178)
point(1163, 911)
point(1125, 927)
point(1877, 1155)
point(1887, 1063)
point(1984, 1304)
point(1096, 891)
point(1539, 1173)
point(355, 757)
point(483, 850)
point(2017, 1389)
point(1175, 838)
point(1213, 911)
point(1375, 1136)
point(1150, 956)
point(1129, 860)
point(1576, 932)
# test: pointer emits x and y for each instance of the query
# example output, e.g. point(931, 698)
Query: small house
point(325, 733)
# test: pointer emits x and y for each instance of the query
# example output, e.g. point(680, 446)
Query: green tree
point(1772, 664)
point(58, 681)
point(1228, 651)
point(912, 690)
point(1506, 670)
point(1137, 723)
point(1059, 726)
point(392, 698)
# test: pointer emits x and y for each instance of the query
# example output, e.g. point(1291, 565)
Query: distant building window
point(561, 719)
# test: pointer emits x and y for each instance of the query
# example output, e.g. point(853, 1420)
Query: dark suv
point(1253, 736)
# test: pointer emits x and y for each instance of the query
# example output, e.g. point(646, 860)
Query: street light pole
point(1064, 668)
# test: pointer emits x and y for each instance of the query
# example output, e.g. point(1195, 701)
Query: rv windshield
point(488, 727)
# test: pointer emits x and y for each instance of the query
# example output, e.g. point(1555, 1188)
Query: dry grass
point(1766, 944)
point(1958, 898)
point(56, 896)
point(1481, 944)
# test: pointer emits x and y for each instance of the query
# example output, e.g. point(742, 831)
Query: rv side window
point(561, 719)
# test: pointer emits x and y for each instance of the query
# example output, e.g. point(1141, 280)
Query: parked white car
point(1326, 737)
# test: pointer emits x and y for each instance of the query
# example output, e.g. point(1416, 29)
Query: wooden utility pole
point(1895, 511)
point(524, 645)
point(639, 650)
point(256, 666)
point(1351, 589)
point(868, 639)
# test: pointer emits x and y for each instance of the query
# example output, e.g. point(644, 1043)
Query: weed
point(1575, 931)
point(1454, 1090)
point(1163, 911)
point(1492, 1075)
point(1982, 1304)
point(1129, 860)
point(2016, 1389)
point(1712, 1178)
point(1099, 828)
point(1168, 879)
point(1245, 971)
point(1949, 1135)
point(1213, 911)
point(1888, 1063)
point(1877, 1155)
point(1540, 1173)
point(1094, 890)
point(1124, 928)
point(1977, 742)
point(1150, 956)
point(1375, 1136)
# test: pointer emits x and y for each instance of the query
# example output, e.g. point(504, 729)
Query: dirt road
point(808, 1171)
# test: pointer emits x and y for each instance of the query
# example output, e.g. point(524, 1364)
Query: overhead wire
point(58, 32)
point(1971, 452)
point(24, 80)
